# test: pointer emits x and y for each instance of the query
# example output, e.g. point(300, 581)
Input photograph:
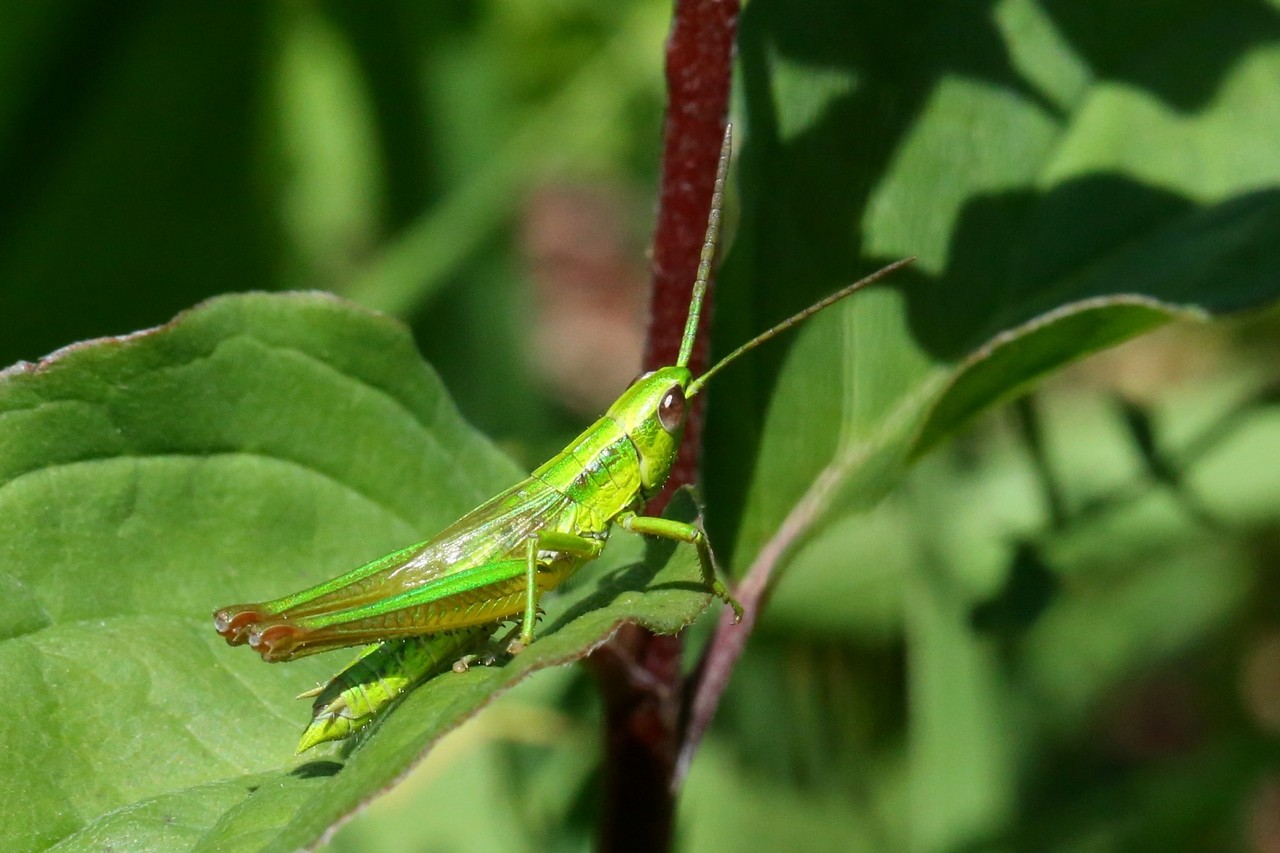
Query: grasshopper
point(494, 564)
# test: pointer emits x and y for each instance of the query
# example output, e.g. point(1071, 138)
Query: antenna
point(848, 290)
point(708, 251)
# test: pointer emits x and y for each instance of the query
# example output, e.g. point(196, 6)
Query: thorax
point(598, 471)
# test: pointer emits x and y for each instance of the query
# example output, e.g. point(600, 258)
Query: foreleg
point(680, 531)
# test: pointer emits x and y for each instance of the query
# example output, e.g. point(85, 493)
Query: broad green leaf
point(1052, 209)
point(252, 446)
point(1065, 184)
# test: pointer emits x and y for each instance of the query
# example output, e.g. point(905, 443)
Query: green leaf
point(253, 445)
point(1065, 183)
point(1053, 211)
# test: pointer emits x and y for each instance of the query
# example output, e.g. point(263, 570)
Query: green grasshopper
point(493, 564)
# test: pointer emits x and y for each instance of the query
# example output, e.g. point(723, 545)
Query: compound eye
point(671, 410)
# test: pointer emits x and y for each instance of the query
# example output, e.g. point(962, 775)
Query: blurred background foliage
point(1062, 632)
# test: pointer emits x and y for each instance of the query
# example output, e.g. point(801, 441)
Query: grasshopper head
point(652, 413)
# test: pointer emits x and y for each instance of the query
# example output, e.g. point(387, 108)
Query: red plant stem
point(639, 673)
